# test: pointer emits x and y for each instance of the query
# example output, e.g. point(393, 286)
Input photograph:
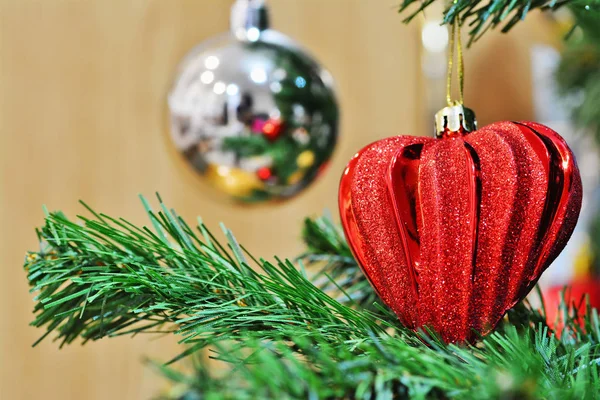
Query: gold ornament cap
point(454, 120)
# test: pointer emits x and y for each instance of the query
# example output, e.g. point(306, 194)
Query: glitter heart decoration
point(453, 231)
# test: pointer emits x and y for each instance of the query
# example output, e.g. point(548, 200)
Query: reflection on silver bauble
point(253, 113)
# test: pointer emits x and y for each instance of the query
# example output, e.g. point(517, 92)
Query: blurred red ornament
point(264, 173)
point(452, 232)
point(576, 292)
point(272, 128)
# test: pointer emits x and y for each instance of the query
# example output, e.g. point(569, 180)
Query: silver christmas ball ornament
point(252, 112)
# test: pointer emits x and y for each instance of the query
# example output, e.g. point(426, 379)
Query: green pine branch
point(278, 333)
point(531, 363)
point(338, 272)
point(479, 15)
point(105, 277)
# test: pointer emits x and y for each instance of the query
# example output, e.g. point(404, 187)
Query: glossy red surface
point(453, 232)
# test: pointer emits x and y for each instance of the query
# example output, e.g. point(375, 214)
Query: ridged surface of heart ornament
point(453, 232)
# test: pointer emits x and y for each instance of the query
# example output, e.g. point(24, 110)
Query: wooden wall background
point(83, 85)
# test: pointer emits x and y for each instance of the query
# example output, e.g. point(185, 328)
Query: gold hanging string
point(450, 67)
point(461, 66)
point(455, 32)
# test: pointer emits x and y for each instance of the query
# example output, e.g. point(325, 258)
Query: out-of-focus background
point(83, 115)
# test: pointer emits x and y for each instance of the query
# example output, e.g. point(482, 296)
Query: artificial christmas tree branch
point(107, 277)
point(509, 364)
point(281, 335)
point(481, 15)
point(338, 271)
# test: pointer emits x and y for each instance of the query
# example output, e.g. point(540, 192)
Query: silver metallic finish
point(230, 85)
point(248, 16)
point(455, 118)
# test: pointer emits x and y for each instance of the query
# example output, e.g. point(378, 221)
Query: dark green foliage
point(508, 365)
point(338, 272)
point(479, 15)
point(578, 75)
point(578, 78)
point(280, 335)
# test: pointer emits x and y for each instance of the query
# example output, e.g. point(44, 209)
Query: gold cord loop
point(455, 32)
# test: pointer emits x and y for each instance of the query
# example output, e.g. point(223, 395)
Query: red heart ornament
point(452, 232)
